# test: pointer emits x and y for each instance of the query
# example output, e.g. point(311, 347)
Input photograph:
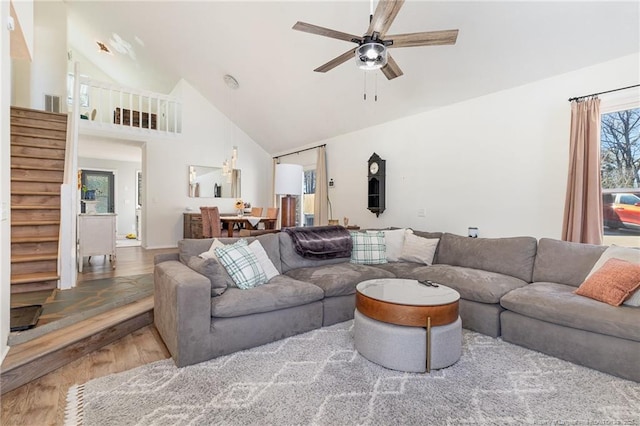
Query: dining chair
point(211, 225)
point(256, 211)
point(272, 213)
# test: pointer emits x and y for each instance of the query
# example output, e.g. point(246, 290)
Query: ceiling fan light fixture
point(371, 56)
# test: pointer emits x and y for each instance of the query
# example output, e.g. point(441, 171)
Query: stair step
point(38, 133)
point(39, 123)
point(36, 174)
point(39, 207)
point(35, 179)
point(35, 223)
point(38, 142)
point(35, 230)
point(46, 266)
point(31, 287)
point(22, 258)
point(32, 359)
point(37, 152)
point(33, 201)
point(34, 239)
point(45, 193)
point(40, 163)
point(34, 167)
point(36, 113)
point(33, 247)
point(46, 187)
point(34, 277)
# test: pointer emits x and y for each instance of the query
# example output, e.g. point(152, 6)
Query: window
point(308, 199)
point(620, 173)
point(84, 91)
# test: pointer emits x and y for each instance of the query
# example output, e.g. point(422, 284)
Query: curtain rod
point(302, 150)
point(602, 93)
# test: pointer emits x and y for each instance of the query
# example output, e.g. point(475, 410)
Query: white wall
point(498, 162)
point(125, 190)
point(48, 70)
point(5, 180)
point(207, 139)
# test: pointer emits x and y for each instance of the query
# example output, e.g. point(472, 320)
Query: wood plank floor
point(42, 401)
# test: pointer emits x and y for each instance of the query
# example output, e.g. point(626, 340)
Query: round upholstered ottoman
point(396, 320)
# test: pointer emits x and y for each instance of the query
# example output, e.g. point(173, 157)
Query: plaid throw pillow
point(241, 264)
point(369, 248)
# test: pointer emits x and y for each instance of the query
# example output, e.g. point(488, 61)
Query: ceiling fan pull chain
point(376, 88)
point(365, 85)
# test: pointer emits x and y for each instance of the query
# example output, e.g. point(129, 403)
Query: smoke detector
point(231, 82)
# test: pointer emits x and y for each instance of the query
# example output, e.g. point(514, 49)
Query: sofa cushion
point(290, 259)
point(242, 265)
point(400, 269)
point(472, 284)
point(369, 248)
point(340, 279)
point(564, 262)
point(509, 256)
point(418, 249)
point(556, 303)
point(614, 282)
point(279, 293)
point(213, 270)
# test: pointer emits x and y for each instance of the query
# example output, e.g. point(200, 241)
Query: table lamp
point(288, 182)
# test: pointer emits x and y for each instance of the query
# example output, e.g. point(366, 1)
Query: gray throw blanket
point(321, 242)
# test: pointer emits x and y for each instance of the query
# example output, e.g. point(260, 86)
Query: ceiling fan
point(371, 52)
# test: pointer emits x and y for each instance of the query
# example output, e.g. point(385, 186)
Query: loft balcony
point(107, 109)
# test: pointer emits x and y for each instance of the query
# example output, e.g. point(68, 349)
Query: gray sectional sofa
point(517, 288)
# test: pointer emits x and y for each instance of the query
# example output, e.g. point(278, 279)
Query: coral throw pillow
point(612, 283)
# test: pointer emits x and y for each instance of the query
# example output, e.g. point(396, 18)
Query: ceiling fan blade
point(429, 38)
point(349, 54)
point(384, 15)
point(391, 70)
point(314, 29)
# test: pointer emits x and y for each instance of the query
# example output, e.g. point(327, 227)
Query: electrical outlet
point(421, 213)
point(473, 232)
point(332, 184)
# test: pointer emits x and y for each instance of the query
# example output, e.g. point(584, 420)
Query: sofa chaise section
point(548, 317)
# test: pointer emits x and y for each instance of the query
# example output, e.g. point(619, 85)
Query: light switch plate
point(5, 211)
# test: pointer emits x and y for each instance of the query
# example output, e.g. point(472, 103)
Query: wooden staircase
point(38, 141)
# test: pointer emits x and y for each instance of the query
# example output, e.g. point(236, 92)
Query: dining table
point(251, 222)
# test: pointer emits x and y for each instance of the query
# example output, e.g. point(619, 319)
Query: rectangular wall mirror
point(209, 182)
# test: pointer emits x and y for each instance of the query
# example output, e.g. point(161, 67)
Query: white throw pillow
point(418, 249)
point(266, 263)
point(211, 253)
point(394, 241)
point(622, 253)
point(242, 265)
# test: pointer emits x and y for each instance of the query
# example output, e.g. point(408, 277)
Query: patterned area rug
point(319, 378)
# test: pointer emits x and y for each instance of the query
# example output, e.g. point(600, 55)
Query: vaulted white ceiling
point(282, 104)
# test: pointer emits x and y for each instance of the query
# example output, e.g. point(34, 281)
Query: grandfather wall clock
point(376, 184)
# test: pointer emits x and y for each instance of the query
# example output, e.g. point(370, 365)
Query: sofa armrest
point(182, 310)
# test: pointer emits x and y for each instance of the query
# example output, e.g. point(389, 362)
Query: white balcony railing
point(110, 107)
